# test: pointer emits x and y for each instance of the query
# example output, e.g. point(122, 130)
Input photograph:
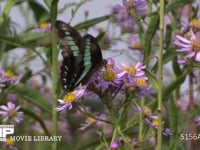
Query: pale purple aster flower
point(136, 80)
point(88, 122)
point(134, 70)
point(166, 131)
point(7, 78)
point(194, 24)
point(92, 121)
point(182, 61)
point(146, 111)
point(110, 63)
point(44, 27)
point(145, 89)
point(11, 113)
point(134, 42)
point(129, 9)
point(114, 145)
point(70, 98)
point(109, 78)
point(190, 47)
point(9, 144)
point(132, 73)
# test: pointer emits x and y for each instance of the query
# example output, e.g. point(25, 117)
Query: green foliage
point(32, 95)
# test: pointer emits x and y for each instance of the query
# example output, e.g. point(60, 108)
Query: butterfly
point(82, 56)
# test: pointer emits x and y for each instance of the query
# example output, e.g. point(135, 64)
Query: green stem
point(54, 71)
point(115, 133)
point(142, 101)
point(141, 123)
point(150, 6)
point(160, 76)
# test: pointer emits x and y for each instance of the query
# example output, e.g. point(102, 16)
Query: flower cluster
point(8, 78)
point(150, 119)
point(129, 9)
point(189, 43)
point(123, 78)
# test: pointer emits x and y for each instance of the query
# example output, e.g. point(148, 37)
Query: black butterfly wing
point(93, 60)
point(72, 46)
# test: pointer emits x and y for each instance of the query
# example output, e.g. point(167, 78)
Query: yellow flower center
point(90, 120)
point(196, 45)
point(9, 74)
point(131, 88)
point(141, 82)
point(101, 29)
point(69, 98)
point(43, 25)
point(12, 112)
point(130, 70)
point(109, 75)
point(195, 23)
point(131, 8)
point(155, 122)
point(10, 142)
point(146, 110)
point(137, 45)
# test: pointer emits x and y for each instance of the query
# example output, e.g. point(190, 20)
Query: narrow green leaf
point(40, 13)
point(100, 36)
point(195, 12)
point(32, 36)
point(140, 26)
point(32, 95)
point(17, 42)
point(169, 89)
point(9, 5)
point(168, 56)
point(152, 79)
point(168, 37)
point(173, 115)
point(151, 30)
point(13, 41)
point(176, 67)
point(174, 5)
point(91, 22)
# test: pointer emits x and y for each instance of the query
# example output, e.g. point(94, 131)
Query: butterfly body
point(81, 56)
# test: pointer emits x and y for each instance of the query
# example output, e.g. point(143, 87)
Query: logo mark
point(5, 130)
